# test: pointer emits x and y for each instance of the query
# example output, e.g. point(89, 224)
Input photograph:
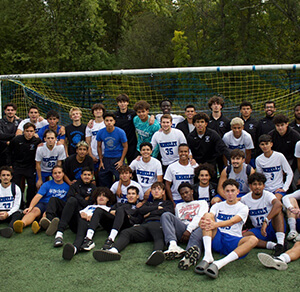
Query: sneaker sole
point(52, 226)
point(35, 227)
point(6, 232)
point(156, 259)
point(106, 256)
point(18, 226)
point(269, 262)
point(68, 251)
point(44, 222)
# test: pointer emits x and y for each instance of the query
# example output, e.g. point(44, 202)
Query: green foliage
point(181, 55)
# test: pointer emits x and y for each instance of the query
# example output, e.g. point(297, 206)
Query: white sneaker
point(292, 234)
point(270, 262)
point(174, 252)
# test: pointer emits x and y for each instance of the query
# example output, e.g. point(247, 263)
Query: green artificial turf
point(28, 262)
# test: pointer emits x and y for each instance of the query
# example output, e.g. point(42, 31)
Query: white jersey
point(175, 119)
point(123, 198)
point(241, 178)
point(273, 167)
point(177, 174)
point(243, 143)
point(168, 145)
point(286, 199)
point(38, 125)
point(92, 132)
point(8, 202)
point(49, 158)
point(224, 211)
point(203, 194)
point(297, 150)
point(190, 213)
point(146, 172)
point(90, 209)
point(260, 208)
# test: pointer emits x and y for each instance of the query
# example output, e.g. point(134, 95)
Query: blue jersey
point(113, 142)
point(51, 189)
point(42, 131)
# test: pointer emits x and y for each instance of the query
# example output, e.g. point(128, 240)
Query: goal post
point(183, 86)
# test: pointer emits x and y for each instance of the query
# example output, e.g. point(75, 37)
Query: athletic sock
point(59, 234)
point(90, 234)
point(280, 237)
point(208, 257)
point(285, 258)
point(113, 234)
point(226, 260)
point(270, 245)
point(173, 243)
point(292, 224)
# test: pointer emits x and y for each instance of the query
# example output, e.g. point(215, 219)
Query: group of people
point(211, 183)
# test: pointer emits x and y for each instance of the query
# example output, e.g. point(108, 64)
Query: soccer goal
point(183, 86)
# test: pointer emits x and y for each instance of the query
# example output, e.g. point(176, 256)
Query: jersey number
point(144, 180)
point(169, 151)
point(260, 220)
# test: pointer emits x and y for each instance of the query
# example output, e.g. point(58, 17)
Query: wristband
point(267, 221)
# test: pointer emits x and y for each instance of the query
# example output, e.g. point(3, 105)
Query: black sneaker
point(6, 232)
point(87, 244)
point(279, 249)
point(108, 244)
point(58, 242)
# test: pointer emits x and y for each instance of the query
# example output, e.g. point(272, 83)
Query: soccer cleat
point(106, 256)
point(190, 258)
point(156, 258)
point(35, 227)
point(18, 226)
point(44, 223)
point(6, 232)
point(58, 242)
point(270, 262)
point(174, 252)
point(108, 244)
point(52, 226)
point(87, 244)
point(292, 235)
point(68, 251)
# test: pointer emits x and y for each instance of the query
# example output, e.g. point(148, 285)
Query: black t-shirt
point(73, 168)
point(74, 134)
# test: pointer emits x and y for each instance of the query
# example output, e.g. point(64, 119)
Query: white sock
point(75, 249)
point(208, 257)
point(280, 237)
point(292, 224)
point(226, 260)
point(113, 249)
point(270, 245)
point(113, 234)
point(59, 234)
point(173, 243)
point(90, 233)
point(285, 258)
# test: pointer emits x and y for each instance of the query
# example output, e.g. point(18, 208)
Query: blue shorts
point(42, 206)
point(271, 236)
point(239, 196)
point(224, 243)
point(45, 176)
point(281, 193)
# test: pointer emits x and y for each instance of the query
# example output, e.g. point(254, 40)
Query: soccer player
point(144, 130)
point(280, 263)
point(10, 201)
point(273, 164)
point(179, 172)
point(168, 140)
point(237, 138)
point(148, 169)
point(149, 230)
point(34, 118)
point(296, 123)
point(53, 188)
point(205, 189)
point(120, 216)
point(22, 151)
point(119, 188)
point(115, 149)
point(222, 232)
point(8, 127)
point(265, 214)
point(238, 171)
point(166, 108)
point(183, 227)
point(187, 125)
point(76, 162)
point(53, 120)
point(47, 156)
point(75, 132)
point(124, 120)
